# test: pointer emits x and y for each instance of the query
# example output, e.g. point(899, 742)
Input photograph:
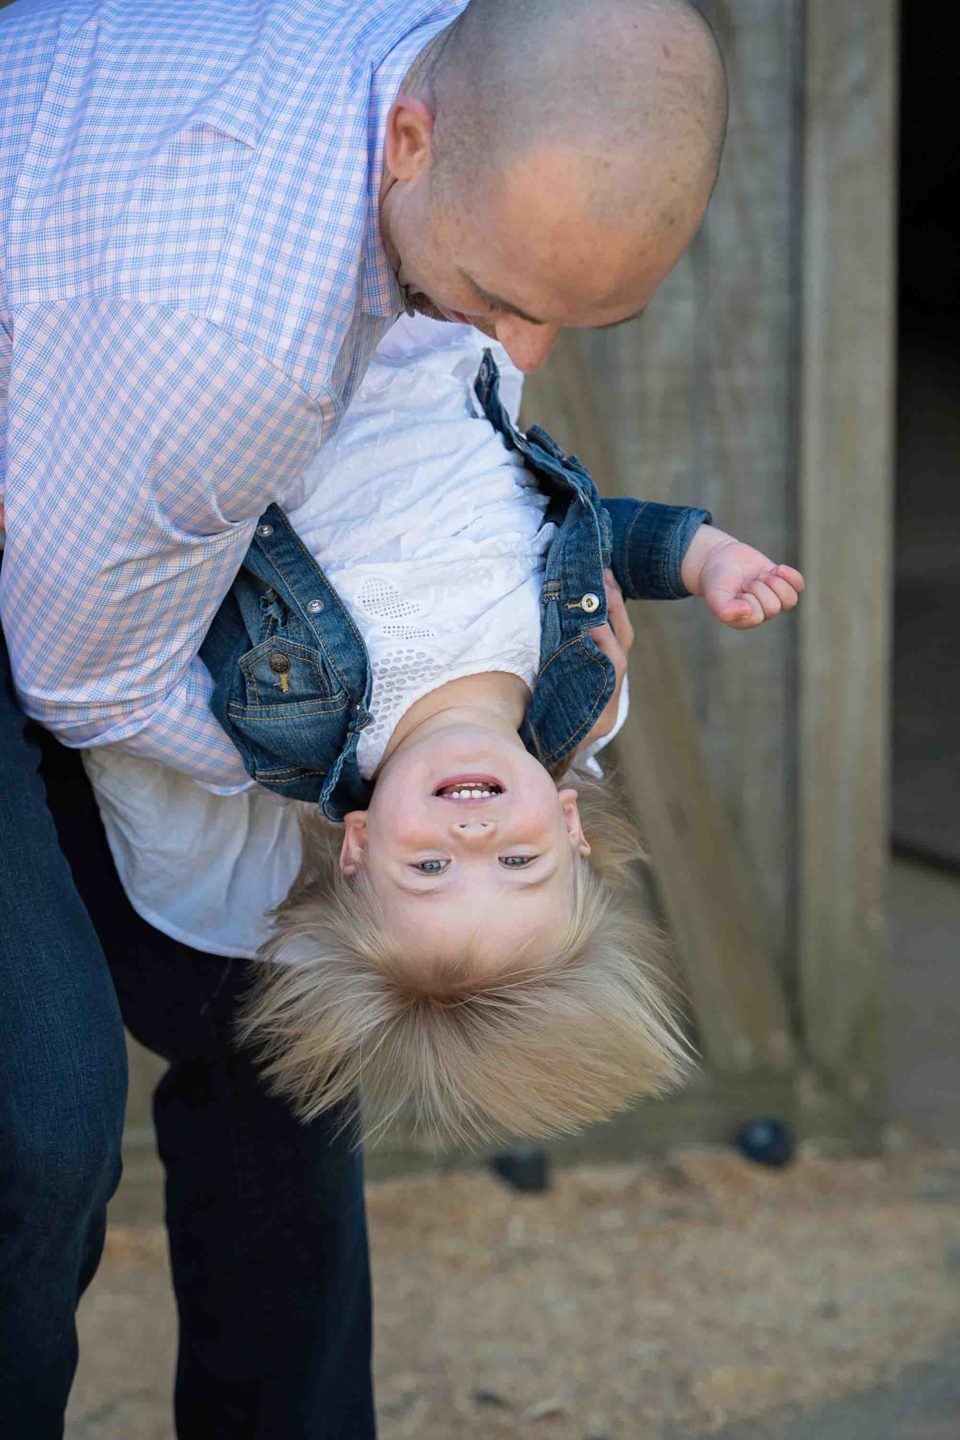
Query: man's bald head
point(621, 84)
point(564, 160)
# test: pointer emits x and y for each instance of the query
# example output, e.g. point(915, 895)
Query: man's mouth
point(416, 303)
point(464, 788)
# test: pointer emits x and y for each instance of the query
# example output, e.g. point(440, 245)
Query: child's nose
point(470, 830)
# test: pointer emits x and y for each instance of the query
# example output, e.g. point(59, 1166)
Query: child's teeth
point(470, 792)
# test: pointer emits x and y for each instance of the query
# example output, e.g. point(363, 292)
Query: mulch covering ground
point(655, 1299)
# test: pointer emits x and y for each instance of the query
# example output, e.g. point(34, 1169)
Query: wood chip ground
point(640, 1301)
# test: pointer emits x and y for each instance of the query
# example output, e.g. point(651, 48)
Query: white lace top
point(429, 528)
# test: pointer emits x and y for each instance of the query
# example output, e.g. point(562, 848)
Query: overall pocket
point(283, 678)
point(288, 716)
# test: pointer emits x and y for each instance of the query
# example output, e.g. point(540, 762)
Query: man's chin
point(416, 303)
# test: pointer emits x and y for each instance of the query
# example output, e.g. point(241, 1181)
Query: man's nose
point(527, 345)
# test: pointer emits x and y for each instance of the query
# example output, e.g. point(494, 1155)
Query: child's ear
point(354, 848)
point(571, 813)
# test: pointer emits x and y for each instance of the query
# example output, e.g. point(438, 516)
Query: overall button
point(590, 602)
point(314, 607)
point(264, 531)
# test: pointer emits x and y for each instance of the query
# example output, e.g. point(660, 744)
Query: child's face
point(491, 870)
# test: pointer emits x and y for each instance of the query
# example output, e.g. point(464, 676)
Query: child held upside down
point(430, 648)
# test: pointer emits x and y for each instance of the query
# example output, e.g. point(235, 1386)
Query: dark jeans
point(265, 1215)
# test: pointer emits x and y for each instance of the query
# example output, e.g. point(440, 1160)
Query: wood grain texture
point(846, 489)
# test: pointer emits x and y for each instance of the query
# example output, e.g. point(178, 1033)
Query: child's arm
point(666, 552)
point(740, 585)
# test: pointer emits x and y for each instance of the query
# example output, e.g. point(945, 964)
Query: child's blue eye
point(431, 867)
point(516, 862)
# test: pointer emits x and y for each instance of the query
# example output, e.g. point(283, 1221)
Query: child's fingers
point(773, 591)
point(732, 607)
point(769, 602)
point(743, 612)
point(792, 577)
point(782, 587)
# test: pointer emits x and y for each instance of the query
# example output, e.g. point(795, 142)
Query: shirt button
point(279, 664)
point(590, 602)
point(264, 531)
point(314, 607)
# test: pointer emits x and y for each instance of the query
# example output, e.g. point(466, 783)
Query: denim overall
point(292, 678)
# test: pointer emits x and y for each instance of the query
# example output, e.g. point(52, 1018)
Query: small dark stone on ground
point(523, 1167)
point(491, 1398)
point(767, 1141)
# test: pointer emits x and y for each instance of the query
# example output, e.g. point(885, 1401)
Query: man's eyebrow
point(508, 309)
point(612, 324)
point(496, 303)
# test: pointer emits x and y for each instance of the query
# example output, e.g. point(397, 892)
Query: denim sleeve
point(649, 543)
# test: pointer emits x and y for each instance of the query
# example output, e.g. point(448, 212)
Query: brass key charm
point(280, 665)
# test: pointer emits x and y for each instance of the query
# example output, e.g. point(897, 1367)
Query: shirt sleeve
point(649, 543)
point(142, 445)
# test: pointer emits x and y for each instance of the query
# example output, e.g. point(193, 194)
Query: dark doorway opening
point(926, 688)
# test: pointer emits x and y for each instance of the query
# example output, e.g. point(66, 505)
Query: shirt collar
point(379, 289)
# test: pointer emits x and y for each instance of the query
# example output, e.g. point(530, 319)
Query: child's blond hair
point(537, 1048)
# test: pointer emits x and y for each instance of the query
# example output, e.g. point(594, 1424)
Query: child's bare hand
point(742, 586)
point(614, 638)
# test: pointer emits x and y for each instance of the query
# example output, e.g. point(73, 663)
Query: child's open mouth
point(469, 787)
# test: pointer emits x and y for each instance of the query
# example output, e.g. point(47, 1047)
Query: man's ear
point(353, 851)
point(571, 813)
point(409, 138)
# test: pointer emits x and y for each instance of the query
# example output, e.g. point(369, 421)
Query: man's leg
point(265, 1215)
point(269, 1250)
point(62, 1093)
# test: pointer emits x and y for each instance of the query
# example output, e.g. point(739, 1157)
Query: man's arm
point(142, 445)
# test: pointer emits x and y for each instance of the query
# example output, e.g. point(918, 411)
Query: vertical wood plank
point(846, 486)
point(747, 290)
point(717, 930)
point(699, 401)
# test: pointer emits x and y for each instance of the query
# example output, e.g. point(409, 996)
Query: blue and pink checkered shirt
point(191, 284)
